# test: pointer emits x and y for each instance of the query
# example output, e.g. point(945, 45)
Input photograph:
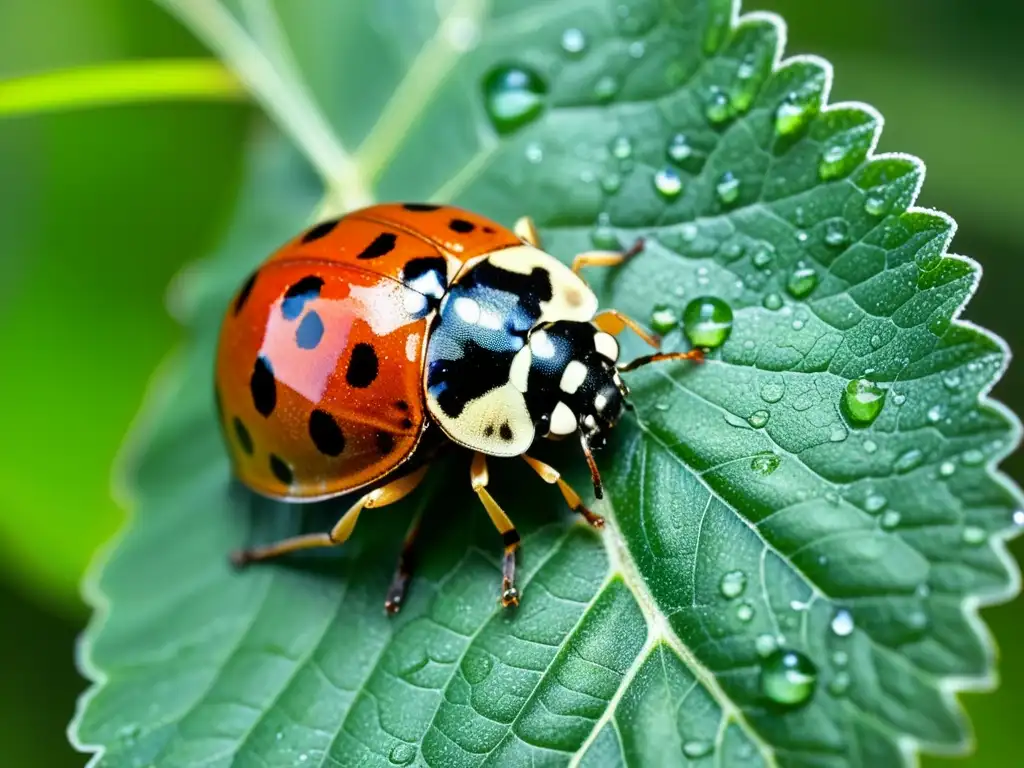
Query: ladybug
point(368, 342)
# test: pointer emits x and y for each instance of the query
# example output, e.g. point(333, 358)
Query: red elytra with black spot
point(319, 371)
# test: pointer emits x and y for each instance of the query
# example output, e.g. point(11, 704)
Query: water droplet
point(837, 233)
point(870, 446)
point(890, 519)
point(773, 391)
point(603, 236)
point(792, 115)
point(733, 250)
point(772, 301)
point(935, 414)
point(744, 611)
point(765, 463)
point(696, 749)
point(574, 42)
point(875, 206)
point(1018, 517)
point(513, 97)
point(621, 147)
point(834, 162)
point(678, 148)
point(611, 183)
point(278, 735)
point(763, 255)
point(402, 754)
point(875, 503)
point(802, 282)
point(605, 88)
point(637, 49)
point(732, 584)
point(534, 152)
point(728, 188)
point(862, 402)
point(840, 658)
point(898, 398)
point(707, 321)
point(765, 644)
point(303, 757)
point(663, 319)
point(758, 418)
point(974, 535)
point(716, 108)
point(947, 468)
point(918, 620)
point(908, 460)
point(952, 381)
point(837, 434)
point(842, 623)
point(688, 232)
point(128, 734)
point(788, 678)
point(668, 182)
point(973, 457)
point(876, 341)
point(839, 684)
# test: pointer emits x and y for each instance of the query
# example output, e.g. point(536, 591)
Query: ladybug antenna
point(595, 475)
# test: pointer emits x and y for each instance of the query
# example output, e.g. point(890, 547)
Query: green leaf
point(757, 518)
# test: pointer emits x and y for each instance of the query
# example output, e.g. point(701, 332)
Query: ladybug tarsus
point(510, 598)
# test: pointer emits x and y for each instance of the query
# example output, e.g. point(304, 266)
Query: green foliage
point(792, 565)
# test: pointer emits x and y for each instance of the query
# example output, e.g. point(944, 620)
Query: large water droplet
point(663, 319)
point(728, 188)
point(773, 391)
point(772, 302)
point(974, 535)
point(875, 206)
point(835, 162)
point(758, 418)
point(716, 106)
point(732, 584)
point(788, 678)
point(792, 115)
point(574, 42)
point(875, 503)
point(678, 148)
point(707, 321)
point(802, 282)
point(862, 402)
point(668, 183)
point(402, 754)
point(765, 463)
point(946, 469)
point(842, 623)
point(890, 519)
point(697, 749)
point(513, 97)
point(744, 611)
point(837, 233)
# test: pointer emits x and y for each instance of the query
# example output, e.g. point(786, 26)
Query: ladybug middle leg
point(379, 497)
point(509, 535)
point(551, 475)
point(606, 258)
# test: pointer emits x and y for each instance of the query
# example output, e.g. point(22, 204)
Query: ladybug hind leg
point(403, 571)
point(509, 535)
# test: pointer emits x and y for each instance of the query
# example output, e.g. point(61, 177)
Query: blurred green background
point(100, 209)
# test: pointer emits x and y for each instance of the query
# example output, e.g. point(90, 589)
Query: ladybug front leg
point(614, 322)
point(509, 535)
point(606, 258)
point(379, 497)
point(551, 475)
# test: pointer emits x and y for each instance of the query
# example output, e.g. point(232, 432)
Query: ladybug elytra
point(365, 342)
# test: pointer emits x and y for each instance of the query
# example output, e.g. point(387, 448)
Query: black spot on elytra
point(505, 432)
point(461, 226)
point(244, 438)
point(385, 443)
point(310, 331)
point(363, 366)
point(383, 244)
point(406, 423)
point(420, 207)
point(325, 433)
point(401, 405)
point(454, 383)
point(322, 229)
point(243, 295)
point(263, 387)
point(296, 296)
point(489, 230)
point(281, 470)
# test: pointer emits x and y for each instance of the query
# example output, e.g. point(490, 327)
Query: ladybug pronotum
point(356, 349)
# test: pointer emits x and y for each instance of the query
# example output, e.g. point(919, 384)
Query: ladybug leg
point(614, 322)
point(551, 475)
point(379, 497)
point(526, 230)
point(509, 535)
point(606, 258)
point(403, 571)
point(697, 355)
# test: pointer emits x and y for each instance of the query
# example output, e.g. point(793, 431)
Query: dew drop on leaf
point(732, 584)
point(773, 391)
point(663, 319)
point(574, 42)
point(605, 88)
point(476, 666)
point(758, 418)
point(839, 684)
point(697, 749)
point(513, 97)
point(974, 535)
point(973, 457)
point(621, 147)
point(908, 460)
point(890, 519)
point(707, 321)
point(678, 148)
point(611, 183)
point(862, 402)
point(837, 233)
point(840, 658)
point(788, 678)
point(603, 236)
point(728, 188)
point(791, 115)
point(802, 282)
point(763, 255)
point(716, 108)
point(637, 49)
point(402, 754)
point(875, 503)
point(765, 644)
point(842, 623)
point(833, 162)
point(935, 414)
point(875, 206)
point(668, 183)
point(765, 463)
point(534, 152)
point(947, 468)
point(744, 611)
point(1018, 517)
